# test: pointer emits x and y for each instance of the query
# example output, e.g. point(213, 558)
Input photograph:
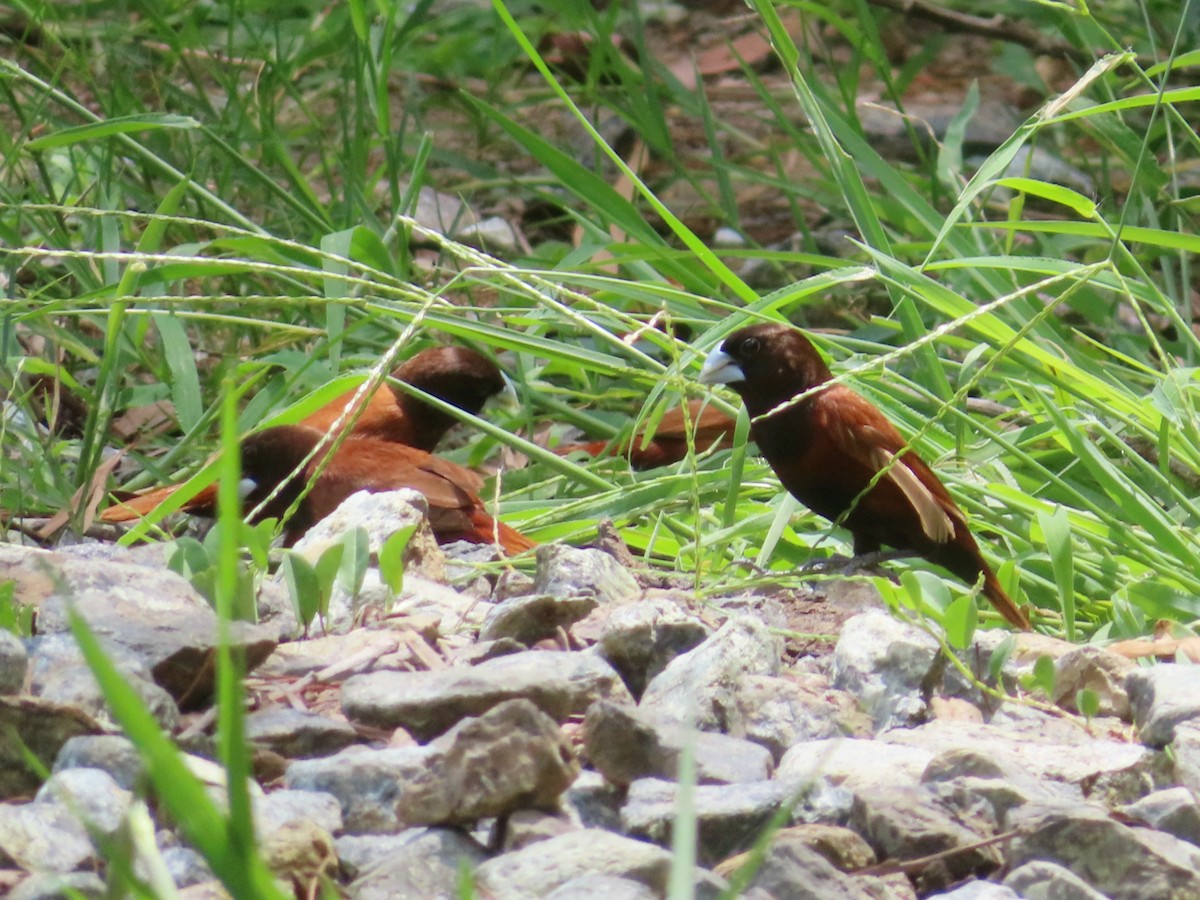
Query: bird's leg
point(850, 565)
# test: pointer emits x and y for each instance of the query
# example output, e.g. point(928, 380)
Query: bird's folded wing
point(865, 436)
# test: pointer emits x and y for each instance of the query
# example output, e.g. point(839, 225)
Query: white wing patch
point(935, 521)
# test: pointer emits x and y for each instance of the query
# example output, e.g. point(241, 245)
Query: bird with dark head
point(290, 457)
point(829, 446)
point(457, 375)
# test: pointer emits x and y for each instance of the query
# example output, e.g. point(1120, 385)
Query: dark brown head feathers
point(457, 375)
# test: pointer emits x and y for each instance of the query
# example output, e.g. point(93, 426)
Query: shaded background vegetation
point(991, 237)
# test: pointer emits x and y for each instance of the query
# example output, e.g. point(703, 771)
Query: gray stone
point(1163, 697)
point(843, 848)
point(1042, 164)
point(114, 754)
point(1186, 749)
point(792, 868)
point(534, 618)
point(640, 639)
point(154, 614)
point(886, 665)
point(481, 652)
point(901, 822)
point(279, 809)
point(360, 650)
point(59, 674)
point(884, 124)
point(437, 211)
point(565, 571)
point(273, 606)
point(13, 660)
point(359, 853)
point(92, 796)
point(528, 826)
point(980, 890)
point(626, 744)
point(1022, 652)
point(44, 836)
point(298, 734)
point(540, 868)
point(1174, 810)
point(207, 890)
point(40, 727)
point(493, 235)
point(427, 863)
point(59, 886)
point(185, 866)
point(858, 764)
point(701, 685)
point(1094, 669)
point(560, 683)
point(512, 756)
point(594, 802)
point(301, 851)
point(381, 515)
point(1120, 862)
point(961, 778)
point(729, 817)
point(366, 782)
point(1039, 880)
point(729, 238)
point(1053, 751)
point(779, 711)
point(610, 887)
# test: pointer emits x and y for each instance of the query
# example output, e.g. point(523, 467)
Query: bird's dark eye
point(750, 346)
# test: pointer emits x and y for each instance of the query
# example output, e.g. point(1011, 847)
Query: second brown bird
point(457, 375)
point(827, 448)
point(277, 456)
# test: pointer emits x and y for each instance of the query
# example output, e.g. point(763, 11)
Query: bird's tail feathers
point(1003, 603)
point(491, 530)
point(142, 505)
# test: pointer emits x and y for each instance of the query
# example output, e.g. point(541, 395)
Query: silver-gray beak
point(719, 368)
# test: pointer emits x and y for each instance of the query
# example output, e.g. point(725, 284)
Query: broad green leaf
point(181, 363)
point(1087, 701)
point(355, 561)
point(1056, 528)
point(391, 558)
point(1042, 678)
point(960, 621)
point(303, 587)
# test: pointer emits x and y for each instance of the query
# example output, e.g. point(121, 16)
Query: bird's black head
point(458, 375)
point(270, 457)
point(767, 364)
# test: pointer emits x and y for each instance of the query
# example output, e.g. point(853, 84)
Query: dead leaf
point(1165, 647)
point(151, 417)
point(95, 493)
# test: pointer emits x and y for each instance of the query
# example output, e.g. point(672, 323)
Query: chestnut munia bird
point(277, 456)
point(827, 448)
point(669, 443)
point(457, 375)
